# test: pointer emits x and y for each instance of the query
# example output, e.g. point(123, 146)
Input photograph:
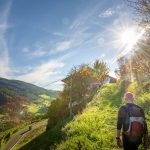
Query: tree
point(123, 68)
point(142, 9)
point(141, 61)
point(57, 111)
point(100, 70)
point(76, 91)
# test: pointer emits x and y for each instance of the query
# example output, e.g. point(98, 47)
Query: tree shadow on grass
point(48, 139)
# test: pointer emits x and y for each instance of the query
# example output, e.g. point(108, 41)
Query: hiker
point(131, 119)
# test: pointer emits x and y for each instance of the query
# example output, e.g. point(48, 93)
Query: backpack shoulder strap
point(127, 110)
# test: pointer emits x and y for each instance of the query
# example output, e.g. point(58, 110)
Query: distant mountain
point(10, 88)
point(20, 101)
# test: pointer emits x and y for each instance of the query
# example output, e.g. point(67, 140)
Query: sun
point(128, 37)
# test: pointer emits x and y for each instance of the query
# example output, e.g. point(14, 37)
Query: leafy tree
point(142, 10)
point(58, 109)
point(123, 68)
point(76, 92)
point(100, 70)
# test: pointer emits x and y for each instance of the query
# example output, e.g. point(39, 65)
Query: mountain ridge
point(21, 101)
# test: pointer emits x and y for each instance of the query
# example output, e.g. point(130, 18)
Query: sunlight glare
point(129, 37)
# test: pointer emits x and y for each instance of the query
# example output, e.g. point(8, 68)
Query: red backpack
point(135, 120)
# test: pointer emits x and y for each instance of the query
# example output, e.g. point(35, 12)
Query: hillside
point(21, 101)
point(93, 129)
point(10, 88)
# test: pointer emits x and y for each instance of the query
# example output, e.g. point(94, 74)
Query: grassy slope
point(94, 129)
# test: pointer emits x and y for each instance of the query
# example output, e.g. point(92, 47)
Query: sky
point(41, 40)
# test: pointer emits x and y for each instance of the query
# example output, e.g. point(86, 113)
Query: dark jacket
point(123, 114)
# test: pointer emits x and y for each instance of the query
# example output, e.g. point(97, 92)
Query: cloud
point(41, 74)
point(38, 52)
point(62, 46)
point(25, 50)
point(107, 13)
point(58, 34)
point(4, 53)
point(100, 41)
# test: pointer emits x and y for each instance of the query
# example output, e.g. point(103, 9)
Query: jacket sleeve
point(120, 118)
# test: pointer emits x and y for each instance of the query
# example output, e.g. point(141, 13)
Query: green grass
point(94, 128)
point(33, 108)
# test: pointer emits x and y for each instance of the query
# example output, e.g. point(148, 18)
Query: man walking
point(131, 119)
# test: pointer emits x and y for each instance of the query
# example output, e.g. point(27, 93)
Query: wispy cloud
point(4, 53)
point(44, 73)
point(58, 34)
point(107, 13)
point(62, 46)
point(39, 51)
point(25, 50)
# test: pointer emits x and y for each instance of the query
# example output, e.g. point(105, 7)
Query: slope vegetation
point(93, 129)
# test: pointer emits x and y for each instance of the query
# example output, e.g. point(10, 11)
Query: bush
point(144, 101)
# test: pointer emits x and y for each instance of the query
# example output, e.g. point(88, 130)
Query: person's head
point(129, 97)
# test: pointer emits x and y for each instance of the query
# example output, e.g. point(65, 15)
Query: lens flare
point(128, 38)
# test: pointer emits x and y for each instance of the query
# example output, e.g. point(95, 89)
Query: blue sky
point(41, 40)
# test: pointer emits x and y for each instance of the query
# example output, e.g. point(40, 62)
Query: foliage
point(144, 101)
point(57, 112)
point(100, 71)
point(142, 9)
point(97, 124)
point(77, 91)
point(94, 128)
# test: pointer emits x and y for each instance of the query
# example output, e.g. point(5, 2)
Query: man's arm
point(119, 126)
point(120, 121)
point(118, 133)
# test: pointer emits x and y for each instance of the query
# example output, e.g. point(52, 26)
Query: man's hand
point(118, 142)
